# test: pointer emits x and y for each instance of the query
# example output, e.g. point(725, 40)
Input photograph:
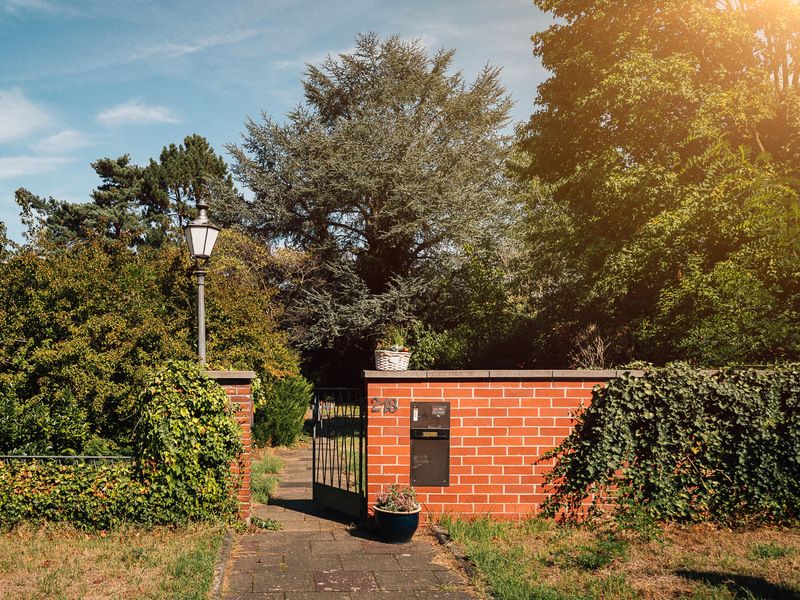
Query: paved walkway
point(317, 555)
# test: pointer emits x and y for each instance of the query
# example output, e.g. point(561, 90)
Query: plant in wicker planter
point(392, 353)
point(397, 514)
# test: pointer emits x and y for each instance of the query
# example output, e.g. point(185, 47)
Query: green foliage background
point(661, 170)
point(88, 496)
point(381, 178)
point(685, 444)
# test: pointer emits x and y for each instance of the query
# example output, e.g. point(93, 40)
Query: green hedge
point(187, 438)
point(89, 496)
point(689, 445)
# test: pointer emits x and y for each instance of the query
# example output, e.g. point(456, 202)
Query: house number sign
point(384, 405)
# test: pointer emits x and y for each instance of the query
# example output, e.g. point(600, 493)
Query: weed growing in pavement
point(263, 476)
point(270, 524)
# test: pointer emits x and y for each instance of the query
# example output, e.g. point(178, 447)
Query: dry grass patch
point(61, 562)
point(538, 559)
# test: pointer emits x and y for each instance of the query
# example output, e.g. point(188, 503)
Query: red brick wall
point(499, 428)
point(237, 387)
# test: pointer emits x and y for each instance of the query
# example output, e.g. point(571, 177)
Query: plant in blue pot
point(397, 514)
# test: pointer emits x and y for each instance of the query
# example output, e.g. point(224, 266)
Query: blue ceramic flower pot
point(397, 527)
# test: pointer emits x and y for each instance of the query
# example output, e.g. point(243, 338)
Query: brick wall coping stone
point(231, 377)
point(542, 374)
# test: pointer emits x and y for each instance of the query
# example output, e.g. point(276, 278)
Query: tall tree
point(383, 174)
point(139, 205)
point(183, 175)
point(665, 141)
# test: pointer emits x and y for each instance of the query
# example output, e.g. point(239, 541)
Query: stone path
point(317, 555)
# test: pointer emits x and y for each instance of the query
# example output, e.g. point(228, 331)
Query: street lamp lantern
point(201, 236)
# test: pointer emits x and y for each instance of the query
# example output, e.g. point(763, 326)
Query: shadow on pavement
point(307, 507)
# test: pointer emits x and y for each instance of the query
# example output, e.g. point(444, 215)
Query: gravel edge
point(464, 562)
point(215, 591)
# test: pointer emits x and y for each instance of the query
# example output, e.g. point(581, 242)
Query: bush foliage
point(279, 411)
point(689, 445)
point(187, 439)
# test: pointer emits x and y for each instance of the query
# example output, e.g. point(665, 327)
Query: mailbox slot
point(430, 444)
point(430, 434)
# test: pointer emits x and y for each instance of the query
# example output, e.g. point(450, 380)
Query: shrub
point(689, 445)
point(86, 495)
point(280, 409)
point(187, 439)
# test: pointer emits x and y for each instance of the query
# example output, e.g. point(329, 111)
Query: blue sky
point(82, 80)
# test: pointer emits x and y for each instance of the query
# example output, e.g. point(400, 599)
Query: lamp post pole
point(201, 236)
point(201, 315)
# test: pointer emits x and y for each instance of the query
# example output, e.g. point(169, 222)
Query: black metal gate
point(339, 464)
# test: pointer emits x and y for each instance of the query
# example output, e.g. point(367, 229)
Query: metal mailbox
point(430, 444)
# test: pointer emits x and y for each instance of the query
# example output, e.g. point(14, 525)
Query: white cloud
point(134, 112)
point(18, 166)
point(63, 141)
point(19, 116)
point(173, 50)
point(14, 7)
point(301, 62)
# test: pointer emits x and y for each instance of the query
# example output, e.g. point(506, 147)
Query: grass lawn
point(264, 474)
point(60, 562)
point(538, 559)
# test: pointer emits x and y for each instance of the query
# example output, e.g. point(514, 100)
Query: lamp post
point(200, 237)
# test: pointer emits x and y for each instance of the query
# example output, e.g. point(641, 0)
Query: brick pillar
point(237, 385)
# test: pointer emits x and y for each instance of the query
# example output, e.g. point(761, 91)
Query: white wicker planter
point(388, 360)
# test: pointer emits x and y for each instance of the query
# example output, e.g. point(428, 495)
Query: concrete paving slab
point(378, 562)
point(240, 583)
point(384, 595)
point(345, 581)
point(322, 535)
point(319, 596)
point(283, 581)
point(310, 563)
point(407, 580)
point(251, 564)
point(419, 562)
point(375, 547)
point(337, 547)
point(436, 595)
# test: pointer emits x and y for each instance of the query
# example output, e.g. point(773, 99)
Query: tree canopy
point(664, 148)
point(388, 169)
